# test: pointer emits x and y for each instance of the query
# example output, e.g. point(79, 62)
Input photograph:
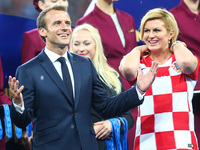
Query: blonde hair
point(107, 74)
point(166, 17)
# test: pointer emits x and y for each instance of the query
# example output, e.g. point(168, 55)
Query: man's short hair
point(41, 23)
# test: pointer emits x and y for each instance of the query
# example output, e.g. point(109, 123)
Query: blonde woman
point(86, 41)
point(165, 120)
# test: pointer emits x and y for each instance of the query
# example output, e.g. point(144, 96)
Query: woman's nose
point(151, 34)
point(81, 48)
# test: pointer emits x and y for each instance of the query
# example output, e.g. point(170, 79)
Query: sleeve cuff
point(18, 108)
point(140, 96)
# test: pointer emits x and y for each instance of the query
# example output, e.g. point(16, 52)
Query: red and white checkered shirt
point(165, 119)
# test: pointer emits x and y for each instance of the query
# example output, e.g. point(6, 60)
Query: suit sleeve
point(112, 106)
point(127, 115)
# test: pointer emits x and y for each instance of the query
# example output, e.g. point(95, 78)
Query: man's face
point(58, 30)
point(49, 3)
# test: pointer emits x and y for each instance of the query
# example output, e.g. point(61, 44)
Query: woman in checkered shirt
point(165, 119)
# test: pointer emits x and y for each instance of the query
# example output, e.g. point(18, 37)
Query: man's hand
point(145, 81)
point(15, 91)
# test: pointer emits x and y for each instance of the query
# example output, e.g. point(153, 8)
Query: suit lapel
point(51, 71)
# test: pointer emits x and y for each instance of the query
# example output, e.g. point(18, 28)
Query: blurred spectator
point(119, 25)
point(3, 100)
point(25, 8)
point(32, 44)
point(17, 8)
point(187, 15)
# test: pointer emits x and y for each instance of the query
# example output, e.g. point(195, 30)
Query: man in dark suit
point(61, 121)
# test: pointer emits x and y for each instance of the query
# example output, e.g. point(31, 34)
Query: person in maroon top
point(117, 30)
point(118, 34)
point(3, 100)
point(32, 44)
point(187, 15)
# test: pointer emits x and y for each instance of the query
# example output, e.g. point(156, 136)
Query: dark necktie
point(66, 76)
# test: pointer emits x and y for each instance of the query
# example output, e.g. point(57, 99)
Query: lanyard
point(18, 132)
point(111, 143)
point(115, 143)
point(8, 123)
point(29, 130)
point(125, 132)
point(1, 130)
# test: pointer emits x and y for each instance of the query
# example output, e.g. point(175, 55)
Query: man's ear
point(41, 5)
point(43, 32)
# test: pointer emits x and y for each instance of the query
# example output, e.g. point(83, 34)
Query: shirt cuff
point(18, 108)
point(140, 96)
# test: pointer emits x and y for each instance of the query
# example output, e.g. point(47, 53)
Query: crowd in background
point(25, 8)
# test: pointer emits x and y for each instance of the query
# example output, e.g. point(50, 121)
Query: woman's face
point(84, 44)
point(156, 36)
point(49, 3)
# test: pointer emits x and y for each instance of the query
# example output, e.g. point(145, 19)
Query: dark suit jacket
point(59, 122)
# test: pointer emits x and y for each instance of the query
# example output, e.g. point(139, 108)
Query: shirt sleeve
point(194, 75)
point(140, 96)
point(18, 108)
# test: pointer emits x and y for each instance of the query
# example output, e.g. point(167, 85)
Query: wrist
point(177, 42)
point(18, 103)
point(140, 90)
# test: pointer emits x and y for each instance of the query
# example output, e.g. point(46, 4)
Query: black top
point(96, 117)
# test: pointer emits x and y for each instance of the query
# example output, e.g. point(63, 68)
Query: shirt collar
point(184, 7)
point(53, 56)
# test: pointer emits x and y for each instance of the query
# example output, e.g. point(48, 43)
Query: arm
point(103, 129)
point(22, 92)
point(184, 57)
point(130, 63)
point(115, 106)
